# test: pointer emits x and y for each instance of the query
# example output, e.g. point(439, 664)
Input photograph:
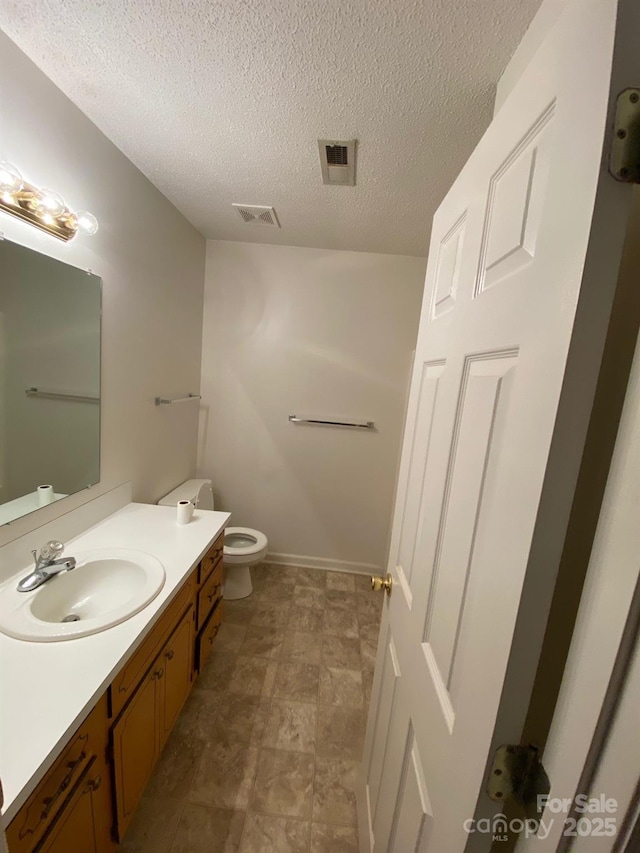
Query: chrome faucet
point(47, 564)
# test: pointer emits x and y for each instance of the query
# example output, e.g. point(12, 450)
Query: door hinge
point(624, 160)
point(517, 774)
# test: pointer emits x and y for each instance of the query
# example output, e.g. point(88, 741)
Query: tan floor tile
point(218, 670)
point(241, 719)
point(230, 636)
point(283, 783)
point(269, 834)
point(275, 593)
point(238, 612)
point(340, 731)
point(303, 647)
point(341, 581)
point(308, 619)
point(329, 838)
point(370, 603)
point(334, 791)
point(270, 615)
point(337, 600)
point(309, 596)
point(253, 676)
point(296, 680)
point(368, 653)
point(340, 623)
point(291, 726)
point(153, 826)
point(199, 713)
point(204, 828)
point(311, 577)
point(341, 653)
point(176, 768)
point(368, 628)
point(341, 687)
point(363, 582)
point(225, 775)
point(262, 642)
point(265, 574)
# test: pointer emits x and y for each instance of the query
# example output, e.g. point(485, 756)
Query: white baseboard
point(306, 562)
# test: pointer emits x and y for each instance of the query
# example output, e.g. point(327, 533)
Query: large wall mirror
point(49, 380)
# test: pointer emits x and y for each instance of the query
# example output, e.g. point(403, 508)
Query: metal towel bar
point(356, 424)
point(60, 395)
point(168, 401)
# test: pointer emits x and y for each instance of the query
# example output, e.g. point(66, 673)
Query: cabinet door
point(80, 825)
point(176, 664)
point(136, 744)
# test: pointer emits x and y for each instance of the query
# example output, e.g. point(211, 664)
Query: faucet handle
point(35, 557)
point(51, 550)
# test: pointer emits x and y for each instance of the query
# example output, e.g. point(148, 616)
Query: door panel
point(521, 276)
point(413, 819)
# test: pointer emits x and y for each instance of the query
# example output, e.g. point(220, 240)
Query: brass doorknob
point(385, 584)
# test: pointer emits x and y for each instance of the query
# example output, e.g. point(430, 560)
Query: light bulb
point(10, 179)
point(48, 202)
point(86, 223)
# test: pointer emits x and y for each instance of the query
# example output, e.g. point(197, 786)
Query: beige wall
point(311, 332)
point(152, 265)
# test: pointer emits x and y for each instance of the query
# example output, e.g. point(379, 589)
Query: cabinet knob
point(94, 784)
point(158, 673)
point(170, 654)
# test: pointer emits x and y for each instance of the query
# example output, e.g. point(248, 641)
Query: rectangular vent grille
point(337, 155)
point(257, 214)
point(338, 162)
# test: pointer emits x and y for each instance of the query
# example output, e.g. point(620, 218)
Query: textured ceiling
point(221, 102)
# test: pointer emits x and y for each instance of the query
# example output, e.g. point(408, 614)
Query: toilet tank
point(198, 492)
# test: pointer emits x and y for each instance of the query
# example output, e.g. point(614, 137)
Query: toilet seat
point(252, 552)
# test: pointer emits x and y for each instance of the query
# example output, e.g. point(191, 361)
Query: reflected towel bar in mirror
point(356, 424)
point(167, 401)
point(61, 395)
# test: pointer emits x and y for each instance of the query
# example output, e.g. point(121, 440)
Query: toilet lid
point(243, 540)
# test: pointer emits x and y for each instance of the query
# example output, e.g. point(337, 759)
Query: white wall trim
point(305, 561)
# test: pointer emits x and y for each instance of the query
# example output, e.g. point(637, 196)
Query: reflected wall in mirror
point(49, 341)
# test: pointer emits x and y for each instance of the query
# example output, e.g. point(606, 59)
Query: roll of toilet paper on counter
point(45, 495)
point(185, 511)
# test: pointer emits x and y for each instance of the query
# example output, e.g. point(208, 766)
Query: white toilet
point(242, 546)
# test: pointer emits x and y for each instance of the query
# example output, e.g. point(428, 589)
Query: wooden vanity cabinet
point(209, 602)
point(85, 822)
point(73, 800)
point(142, 729)
point(87, 799)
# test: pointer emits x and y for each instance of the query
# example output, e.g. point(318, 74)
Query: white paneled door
point(522, 269)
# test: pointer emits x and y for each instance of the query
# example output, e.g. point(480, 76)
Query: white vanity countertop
point(47, 689)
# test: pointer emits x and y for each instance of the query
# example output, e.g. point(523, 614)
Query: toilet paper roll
point(45, 495)
point(185, 511)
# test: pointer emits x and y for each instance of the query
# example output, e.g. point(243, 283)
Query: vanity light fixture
point(42, 207)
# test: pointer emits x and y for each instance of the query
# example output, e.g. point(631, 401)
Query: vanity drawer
point(204, 643)
point(211, 558)
point(87, 746)
point(125, 683)
point(209, 594)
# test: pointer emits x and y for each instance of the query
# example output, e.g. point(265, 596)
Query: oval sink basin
point(106, 587)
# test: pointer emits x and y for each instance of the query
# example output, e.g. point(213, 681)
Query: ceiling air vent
point(338, 162)
point(257, 214)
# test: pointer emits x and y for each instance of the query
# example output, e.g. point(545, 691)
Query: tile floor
point(264, 756)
